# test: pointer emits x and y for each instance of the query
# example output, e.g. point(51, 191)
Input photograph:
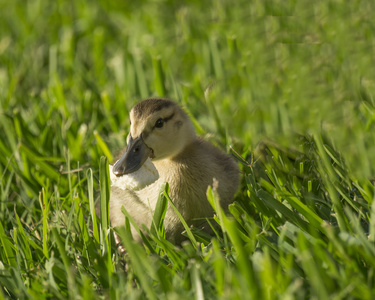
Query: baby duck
point(162, 131)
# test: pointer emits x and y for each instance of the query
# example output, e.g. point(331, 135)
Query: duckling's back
point(215, 164)
point(190, 173)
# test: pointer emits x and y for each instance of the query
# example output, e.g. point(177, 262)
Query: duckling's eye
point(159, 123)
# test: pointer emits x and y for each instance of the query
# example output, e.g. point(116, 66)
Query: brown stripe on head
point(149, 106)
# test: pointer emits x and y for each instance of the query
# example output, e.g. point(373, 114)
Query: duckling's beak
point(134, 157)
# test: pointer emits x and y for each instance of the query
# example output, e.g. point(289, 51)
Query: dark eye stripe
point(165, 120)
point(168, 118)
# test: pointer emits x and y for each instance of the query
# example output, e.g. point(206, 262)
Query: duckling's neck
point(172, 166)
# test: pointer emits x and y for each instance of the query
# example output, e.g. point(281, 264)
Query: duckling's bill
point(135, 155)
point(146, 175)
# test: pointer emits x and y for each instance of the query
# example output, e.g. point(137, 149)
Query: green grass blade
point(159, 77)
point(140, 263)
point(39, 160)
point(90, 187)
point(312, 271)
point(105, 237)
point(182, 220)
point(24, 245)
point(104, 193)
point(8, 249)
point(243, 262)
point(157, 226)
point(304, 210)
point(103, 146)
point(286, 212)
point(329, 181)
point(44, 204)
point(128, 218)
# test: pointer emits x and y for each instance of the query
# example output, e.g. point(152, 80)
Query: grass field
point(291, 91)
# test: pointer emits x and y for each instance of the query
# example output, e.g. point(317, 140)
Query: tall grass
point(290, 94)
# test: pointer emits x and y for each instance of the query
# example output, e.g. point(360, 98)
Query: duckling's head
point(159, 129)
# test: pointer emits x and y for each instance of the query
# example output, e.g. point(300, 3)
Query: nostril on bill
point(118, 173)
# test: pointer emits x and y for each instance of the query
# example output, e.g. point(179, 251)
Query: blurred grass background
point(281, 67)
point(293, 80)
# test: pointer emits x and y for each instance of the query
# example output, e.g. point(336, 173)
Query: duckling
point(162, 131)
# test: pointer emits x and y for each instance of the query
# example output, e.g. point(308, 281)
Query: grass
point(291, 90)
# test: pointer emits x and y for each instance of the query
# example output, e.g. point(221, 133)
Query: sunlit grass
point(290, 89)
